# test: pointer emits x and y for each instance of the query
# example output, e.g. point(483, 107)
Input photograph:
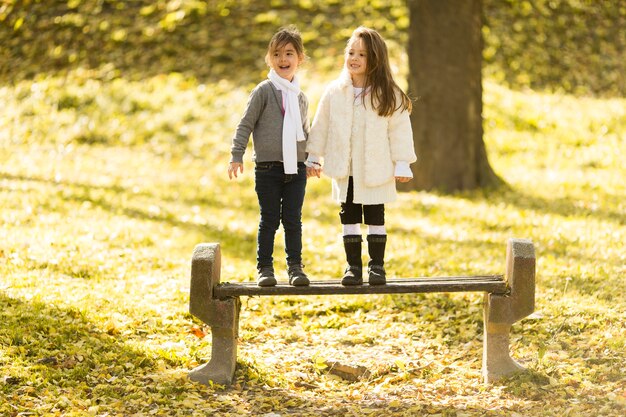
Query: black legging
point(351, 213)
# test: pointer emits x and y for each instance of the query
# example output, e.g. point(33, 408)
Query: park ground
point(107, 184)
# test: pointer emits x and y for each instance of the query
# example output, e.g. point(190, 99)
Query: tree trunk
point(445, 56)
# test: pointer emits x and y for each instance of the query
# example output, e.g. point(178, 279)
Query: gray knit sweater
point(263, 118)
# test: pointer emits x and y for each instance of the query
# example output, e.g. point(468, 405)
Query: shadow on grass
point(239, 244)
point(53, 352)
point(242, 244)
point(564, 207)
point(531, 384)
point(49, 351)
point(304, 401)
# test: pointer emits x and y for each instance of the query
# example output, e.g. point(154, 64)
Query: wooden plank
point(489, 283)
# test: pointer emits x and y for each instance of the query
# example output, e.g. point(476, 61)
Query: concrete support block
point(221, 368)
point(497, 361)
point(501, 311)
point(221, 315)
point(206, 264)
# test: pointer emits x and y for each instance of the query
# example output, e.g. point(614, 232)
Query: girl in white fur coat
point(363, 133)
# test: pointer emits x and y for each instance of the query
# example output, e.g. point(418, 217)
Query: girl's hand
point(233, 168)
point(313, 172)
point(403, 179)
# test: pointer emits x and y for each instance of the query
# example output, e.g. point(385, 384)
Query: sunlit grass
point(107, 186)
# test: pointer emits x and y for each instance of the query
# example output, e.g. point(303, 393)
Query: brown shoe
point(297, 277)
point(265, 277)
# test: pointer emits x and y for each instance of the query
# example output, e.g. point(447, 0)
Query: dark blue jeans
point(280, 200)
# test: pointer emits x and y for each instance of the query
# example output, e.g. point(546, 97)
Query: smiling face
point(356, 61)
point(285, 61)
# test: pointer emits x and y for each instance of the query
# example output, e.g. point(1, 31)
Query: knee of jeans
point(270, 223)
point(292, 224)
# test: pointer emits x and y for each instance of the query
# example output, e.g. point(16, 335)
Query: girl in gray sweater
point(276, 116)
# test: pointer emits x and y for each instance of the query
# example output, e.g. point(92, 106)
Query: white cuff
point(403, 169)
point(313, 161)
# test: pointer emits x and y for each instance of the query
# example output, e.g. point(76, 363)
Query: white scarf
point(292, 122)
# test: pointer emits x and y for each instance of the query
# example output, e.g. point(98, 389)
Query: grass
point(106, 186)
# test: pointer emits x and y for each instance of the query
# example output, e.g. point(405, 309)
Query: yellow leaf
point(320, 363)
point(400, 364)
point(18, 23)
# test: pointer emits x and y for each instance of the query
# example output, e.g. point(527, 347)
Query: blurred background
point(571, 46)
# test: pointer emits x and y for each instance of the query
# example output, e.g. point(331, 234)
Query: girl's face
point(285, 61)
point(356, 59)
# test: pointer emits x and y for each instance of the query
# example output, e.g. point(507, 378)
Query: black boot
point(375, 267)
point(353, 274)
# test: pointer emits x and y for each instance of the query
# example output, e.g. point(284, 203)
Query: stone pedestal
point(501, 311)
point(221, 315)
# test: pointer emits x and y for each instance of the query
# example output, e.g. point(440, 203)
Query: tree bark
point(445, 57)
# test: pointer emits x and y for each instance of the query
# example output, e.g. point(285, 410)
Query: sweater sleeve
point(401, 137)
point(304, 112)
point(316, 144)
point(246, 125)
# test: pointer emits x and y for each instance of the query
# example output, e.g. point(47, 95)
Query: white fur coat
point(387, 139)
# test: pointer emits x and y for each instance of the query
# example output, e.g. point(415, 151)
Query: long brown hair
point(384, 91)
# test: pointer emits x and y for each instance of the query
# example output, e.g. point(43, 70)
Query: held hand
point(233, 168)
point(310, 172)
point(403, 179)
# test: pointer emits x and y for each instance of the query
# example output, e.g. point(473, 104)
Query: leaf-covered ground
point(106, 186)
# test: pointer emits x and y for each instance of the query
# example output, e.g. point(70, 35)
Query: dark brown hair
point(386, 95)
point(285, 35)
